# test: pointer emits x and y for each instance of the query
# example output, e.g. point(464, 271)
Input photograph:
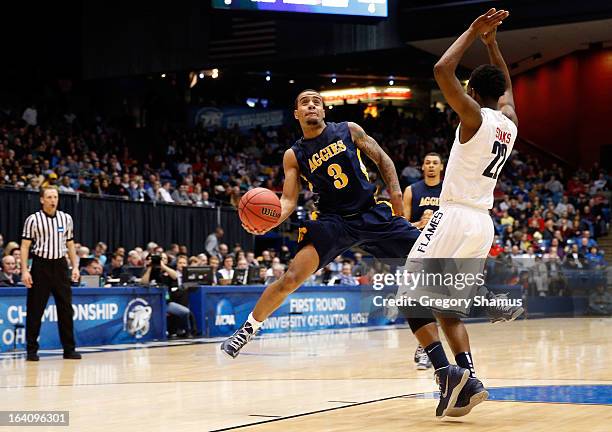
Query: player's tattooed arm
point(385, 165)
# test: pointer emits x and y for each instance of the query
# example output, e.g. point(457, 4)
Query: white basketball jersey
point(473, 168)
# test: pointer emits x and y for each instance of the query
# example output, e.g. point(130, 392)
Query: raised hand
point(489, 38)
point(489, 21)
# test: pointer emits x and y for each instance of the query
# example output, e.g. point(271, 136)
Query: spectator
point(277, 272)
point(115, 267)
point(100, 252)
point(10, 247)
point(206, 202)
point(1, 245)
point(16, 254)
point(203, 259)
point(600, 302)
point(133, 259)
point(8, 277)
point(178, 302)
point(411, 174)
point(117, 189)
point(574, 260)
point(196, 195)
point(251, 260)
point(595, 259)
point(224, 250)
point(93, 268)
point(181, 195)
point(30, 115)
point(265, 259)
point(83, 252)
point(225, 274)
point(164, 193)
point(554, 185)
point(345, 277)
point(212, 242)
point(65, 186)
point(213, 262)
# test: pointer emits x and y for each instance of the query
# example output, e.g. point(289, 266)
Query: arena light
point(334, 80)
point(391, 82)
point(193, 79)
point(215, 73)
point(201, 75)
point(163, 75)
point(365, 94)
point(291, 81)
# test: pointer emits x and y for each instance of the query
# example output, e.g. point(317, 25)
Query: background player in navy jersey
point(329, 159)
point(421, 200)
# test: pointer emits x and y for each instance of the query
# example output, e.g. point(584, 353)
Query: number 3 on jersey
point(335, 171)
point(499, 150)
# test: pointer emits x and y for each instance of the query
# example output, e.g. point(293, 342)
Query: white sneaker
point(424, 362)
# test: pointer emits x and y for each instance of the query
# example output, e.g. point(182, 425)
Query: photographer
point(157, 271)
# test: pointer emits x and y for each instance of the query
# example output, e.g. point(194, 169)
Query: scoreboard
point(372, 8)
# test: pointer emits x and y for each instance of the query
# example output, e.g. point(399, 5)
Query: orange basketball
point(259, 209)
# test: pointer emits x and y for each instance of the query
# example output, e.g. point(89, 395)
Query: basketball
point(259, 209)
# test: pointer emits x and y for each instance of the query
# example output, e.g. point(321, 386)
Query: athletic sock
point(254, 323)
point(436, 354)
point(464, 360)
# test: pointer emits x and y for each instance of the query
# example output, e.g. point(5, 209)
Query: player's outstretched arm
point(385, 165)
point(444, 70)
point(291, 190)
point(506, 101)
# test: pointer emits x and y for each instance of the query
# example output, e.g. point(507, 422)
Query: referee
point(51, 231)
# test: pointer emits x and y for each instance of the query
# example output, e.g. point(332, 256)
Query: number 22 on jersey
point(499, 150)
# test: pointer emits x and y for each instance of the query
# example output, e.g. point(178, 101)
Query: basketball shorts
point(452, 247)
point(375, 230)
point(455, 231)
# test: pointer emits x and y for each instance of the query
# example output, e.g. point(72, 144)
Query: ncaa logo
point(137, 317)
point(224, 315)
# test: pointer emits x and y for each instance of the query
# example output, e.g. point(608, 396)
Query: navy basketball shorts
point(375, 230)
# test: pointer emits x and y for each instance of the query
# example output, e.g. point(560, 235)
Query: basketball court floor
point(543, 375)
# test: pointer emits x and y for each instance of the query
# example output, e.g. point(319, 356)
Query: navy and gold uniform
point(332, 166)
point(424, 197)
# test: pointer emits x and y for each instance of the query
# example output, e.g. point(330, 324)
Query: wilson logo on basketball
point(270, 212)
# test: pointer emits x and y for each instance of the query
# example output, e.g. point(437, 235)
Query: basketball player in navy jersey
point(329, 159)
point(421, 200)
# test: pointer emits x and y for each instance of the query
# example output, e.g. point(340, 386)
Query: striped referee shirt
point(49, 234)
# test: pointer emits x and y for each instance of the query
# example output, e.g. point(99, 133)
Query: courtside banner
point(102, 316)
point(221, 310)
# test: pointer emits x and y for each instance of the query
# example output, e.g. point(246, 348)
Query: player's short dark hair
point(433, 154)
point(488, 81)
point(303, 91)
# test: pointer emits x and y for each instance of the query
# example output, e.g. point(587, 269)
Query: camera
point(156, 261)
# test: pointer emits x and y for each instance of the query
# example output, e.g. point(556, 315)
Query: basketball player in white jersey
point(462, 227)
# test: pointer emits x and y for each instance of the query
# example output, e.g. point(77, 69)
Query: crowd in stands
point(544, 215)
